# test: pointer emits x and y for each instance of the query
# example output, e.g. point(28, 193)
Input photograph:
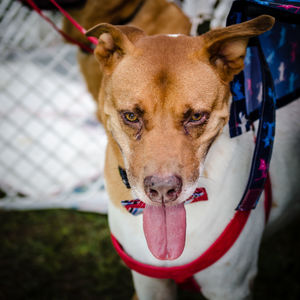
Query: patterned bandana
point(136, 207)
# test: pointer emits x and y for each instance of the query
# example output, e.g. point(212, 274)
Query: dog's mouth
point(165, 229)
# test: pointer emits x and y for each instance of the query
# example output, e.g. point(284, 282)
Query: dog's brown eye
point(131, 117)
point(199, 118)
point(196, 117)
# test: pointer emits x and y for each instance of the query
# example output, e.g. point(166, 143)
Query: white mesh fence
point(51, 145)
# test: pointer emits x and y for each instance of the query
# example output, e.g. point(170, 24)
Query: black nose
point(163, 189)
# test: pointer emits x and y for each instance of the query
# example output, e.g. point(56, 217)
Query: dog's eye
point(199, 118)
point(196, 117)
point(131, 117)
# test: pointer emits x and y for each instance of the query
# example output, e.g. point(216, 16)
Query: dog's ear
point(226, 47)
point(114, 42)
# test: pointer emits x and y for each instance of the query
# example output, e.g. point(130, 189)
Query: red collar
point(183, 274)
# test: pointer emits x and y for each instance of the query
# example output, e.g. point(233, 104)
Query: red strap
point(92, 39)
point(184, 274)
point(67, 37)
point(190, 284)
point(210, 256)
point(268, 197)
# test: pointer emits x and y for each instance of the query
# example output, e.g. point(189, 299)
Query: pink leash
point(93, 40)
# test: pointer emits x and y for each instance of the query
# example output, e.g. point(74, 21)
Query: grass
point(61, 254)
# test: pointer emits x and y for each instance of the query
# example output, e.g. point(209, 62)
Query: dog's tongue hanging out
point(164, 229)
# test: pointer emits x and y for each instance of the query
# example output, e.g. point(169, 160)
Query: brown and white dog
point(164, 103)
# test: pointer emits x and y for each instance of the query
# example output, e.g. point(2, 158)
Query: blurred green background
point(65, 254)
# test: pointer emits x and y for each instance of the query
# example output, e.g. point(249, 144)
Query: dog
point(153, 16)
point(164, 104)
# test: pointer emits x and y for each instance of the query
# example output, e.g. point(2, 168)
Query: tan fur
point(154, 17)
point(162, 79)
point(94, 12)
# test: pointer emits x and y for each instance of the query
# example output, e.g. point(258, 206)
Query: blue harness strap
point(269, 80)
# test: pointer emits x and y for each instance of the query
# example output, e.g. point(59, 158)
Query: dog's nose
point(163, 189)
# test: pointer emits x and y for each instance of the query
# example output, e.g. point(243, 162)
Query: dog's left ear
point(226, 47)
point(114, 42)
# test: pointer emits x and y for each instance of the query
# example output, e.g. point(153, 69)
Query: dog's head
point(164, 100)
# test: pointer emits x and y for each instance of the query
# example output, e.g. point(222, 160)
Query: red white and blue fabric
point(281, 49)
point(264, 84)
point(136, 207)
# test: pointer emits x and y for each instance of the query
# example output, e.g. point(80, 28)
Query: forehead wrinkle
point(158, 77)
point(149, 97)
point(195, 86)
point(132, 94)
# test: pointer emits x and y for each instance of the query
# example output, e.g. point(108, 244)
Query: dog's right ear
point(226, 47)
point(114, 42)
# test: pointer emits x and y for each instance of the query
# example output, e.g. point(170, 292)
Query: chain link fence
point(51, 144)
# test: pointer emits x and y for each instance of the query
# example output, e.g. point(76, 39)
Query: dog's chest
point(227, 164)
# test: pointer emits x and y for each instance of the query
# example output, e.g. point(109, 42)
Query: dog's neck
point(134, 13)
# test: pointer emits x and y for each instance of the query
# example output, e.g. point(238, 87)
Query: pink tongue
point(164, 229)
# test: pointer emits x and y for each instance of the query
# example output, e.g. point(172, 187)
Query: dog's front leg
point(148, 288)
